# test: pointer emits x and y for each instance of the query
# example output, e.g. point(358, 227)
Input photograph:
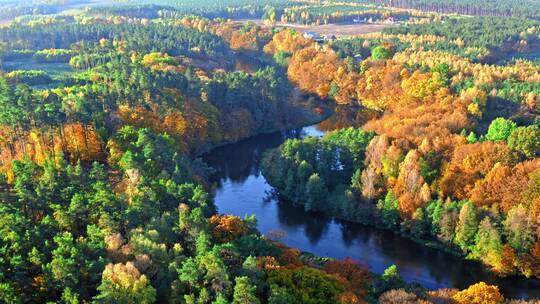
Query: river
point(242, 190)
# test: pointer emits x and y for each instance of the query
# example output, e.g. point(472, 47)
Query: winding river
point(241, 189)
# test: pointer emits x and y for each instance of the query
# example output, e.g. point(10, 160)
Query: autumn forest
point(428, 114)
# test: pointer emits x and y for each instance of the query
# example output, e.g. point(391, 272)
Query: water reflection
point(242, 190)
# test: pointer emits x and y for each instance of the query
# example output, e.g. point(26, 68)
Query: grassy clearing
point(54, 69)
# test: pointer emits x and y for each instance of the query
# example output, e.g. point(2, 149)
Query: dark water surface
point(242, 190)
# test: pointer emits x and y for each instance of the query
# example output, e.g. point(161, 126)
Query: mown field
point(53, 68)
point(338, 30)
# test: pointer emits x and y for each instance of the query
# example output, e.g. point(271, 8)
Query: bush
point(381, 52)
point(398, 296)
point(32, 77)
point(525, 140)
point(500, 129)
point(53, 55)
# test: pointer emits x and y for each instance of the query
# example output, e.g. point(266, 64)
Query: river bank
point(241, 189)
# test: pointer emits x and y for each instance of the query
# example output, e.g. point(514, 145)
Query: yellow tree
point(480, 293)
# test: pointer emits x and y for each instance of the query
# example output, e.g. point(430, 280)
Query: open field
point(330, 29)
point(53, 68)
point(337, 29)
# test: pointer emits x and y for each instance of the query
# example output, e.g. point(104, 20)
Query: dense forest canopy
point(474, 37)
point(105, 109)
point(203, 4)
point(516, 8)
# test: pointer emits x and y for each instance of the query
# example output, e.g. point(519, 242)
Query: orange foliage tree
point(356, 275)
point(470, 164)
point(480, 293)
point(507, 186)
point(226, 228)
point(313, 70)
point(74, 141)
point(288, 41)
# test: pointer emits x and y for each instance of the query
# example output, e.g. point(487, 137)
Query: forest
point(325, 14)
point(484, 39)
point(447, 152)
point(105, 114)
point(525, 9)
point(98, 175)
